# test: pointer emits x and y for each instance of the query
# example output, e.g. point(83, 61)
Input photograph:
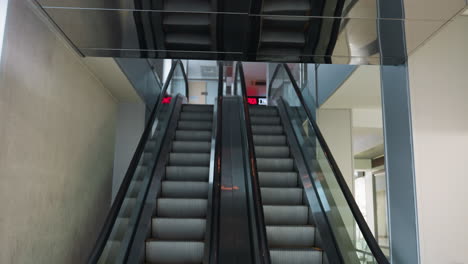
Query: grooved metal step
point(290, 236)
point(267, 130)
point(275, 165)
point(178, 229)
point(182, 208)
point(285, 215)
point(189, 159)
point(265, 120)
point(191, 146)
point(174, 252)
point(187, 173)
point(272, 151)
point(185, 189)
point(198, 116)
point(281, 196)
point(265, 140)
point(296, 256)
point(278, 179)
point(188, 135)
point(195, 125)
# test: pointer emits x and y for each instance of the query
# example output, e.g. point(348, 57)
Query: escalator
point(163, 211)
point(179, 224)
point(305, 211)
point(234, 183)
point(290, 227)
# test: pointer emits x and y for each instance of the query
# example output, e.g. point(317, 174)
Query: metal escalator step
point(296, 256)
point(196, 116)
point(276, 165)
point(266, 129)
point(174, 252)
point(187, 173)
point(263, 111)
point(281, 196)
point(265, 120)
point(184, 189)
point(190, 135)
point(278, 179)
point(195, 125)
point(285, 215)
point(181, 208)
point(191, 146)
point(272, 151)
point(264, 140)
point(197, 108)
point(178, 229)
point(189, 159)
point(291, 236)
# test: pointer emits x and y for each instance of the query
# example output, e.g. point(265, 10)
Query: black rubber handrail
point(119, 199)
point(256, 191)
point(366, 232)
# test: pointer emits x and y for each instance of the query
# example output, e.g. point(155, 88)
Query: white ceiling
point(360, 90)
point(432, 9)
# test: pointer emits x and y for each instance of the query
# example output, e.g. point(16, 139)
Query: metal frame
point(120, 197)
point(368, 236)
point(262, 242)
point(398, 135)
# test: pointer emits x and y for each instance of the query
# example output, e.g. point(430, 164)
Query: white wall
point(57, 124)
point(3, 10)
point(335, 125)
point(439, 96)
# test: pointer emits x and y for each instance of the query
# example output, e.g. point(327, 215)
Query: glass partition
point(121, 224)
point(141, 74)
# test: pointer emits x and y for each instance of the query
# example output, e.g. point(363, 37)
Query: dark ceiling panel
point(309, 31)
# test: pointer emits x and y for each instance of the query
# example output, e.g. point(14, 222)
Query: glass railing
point(118, 231)
point(142, 76)
point(351, 234)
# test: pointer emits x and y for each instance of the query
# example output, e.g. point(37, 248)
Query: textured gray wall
point(130, 127)
point(57, 125)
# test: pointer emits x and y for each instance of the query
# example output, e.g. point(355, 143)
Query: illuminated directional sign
point(255, 100)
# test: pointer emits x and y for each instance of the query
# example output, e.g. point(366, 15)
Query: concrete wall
point(439, 94)
point(130, 127)
point(57, 124)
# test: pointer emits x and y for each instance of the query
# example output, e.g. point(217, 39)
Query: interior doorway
point(197, 92)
